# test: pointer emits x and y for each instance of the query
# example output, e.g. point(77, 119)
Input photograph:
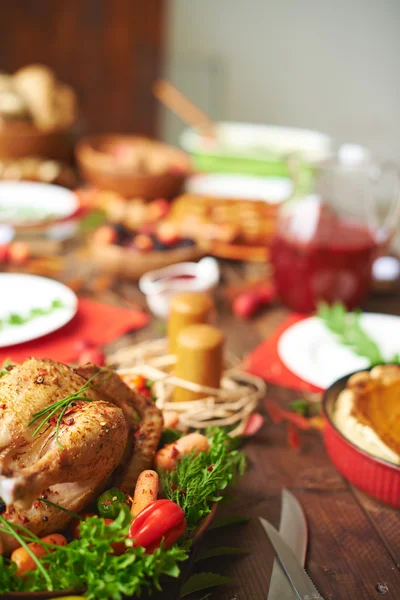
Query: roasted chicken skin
point(98, 440)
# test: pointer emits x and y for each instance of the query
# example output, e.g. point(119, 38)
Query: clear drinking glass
point(343, 213)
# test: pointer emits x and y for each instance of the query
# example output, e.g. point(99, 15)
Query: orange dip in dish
point(367, 412)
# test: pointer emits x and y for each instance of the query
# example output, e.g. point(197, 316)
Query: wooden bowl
point(98, 170)
point(129, 264)
point(19, 140)
point(203, 526)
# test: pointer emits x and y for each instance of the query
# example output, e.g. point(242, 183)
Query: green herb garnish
point(169, 436)
point(348, 329)
point(5, 367)
point(198, 481)
point(92, 220)
point(62, 406)
point(14, 319)
point(78, 565)
point(305, 408)
point(301, 407)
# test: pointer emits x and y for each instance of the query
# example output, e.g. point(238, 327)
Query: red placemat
point(265, 362)
point(94, 322)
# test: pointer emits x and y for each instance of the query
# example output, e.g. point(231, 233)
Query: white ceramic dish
point(273, 190)
point(26, 203)
point(312, 353)
point(253, 149)
point(19, 294)
point(161, 285)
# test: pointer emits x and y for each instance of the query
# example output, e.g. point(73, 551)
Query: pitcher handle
point(301, 174)
point(387, 229)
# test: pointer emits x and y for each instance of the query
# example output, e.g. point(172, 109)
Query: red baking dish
point(377, 477)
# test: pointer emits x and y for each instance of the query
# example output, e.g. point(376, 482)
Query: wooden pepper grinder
point(199, 359)
point(187, 309)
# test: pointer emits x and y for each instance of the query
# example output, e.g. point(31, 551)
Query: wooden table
point(354, 545)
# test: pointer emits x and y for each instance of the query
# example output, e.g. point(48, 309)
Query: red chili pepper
point(279, 414)
point(254, 424)
point(248, 303)
point(293, 436)
point(274, 411)
point(160, 520)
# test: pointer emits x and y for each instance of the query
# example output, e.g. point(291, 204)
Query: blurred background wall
point(332, 65)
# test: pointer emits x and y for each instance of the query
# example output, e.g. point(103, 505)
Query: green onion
point(61, 405)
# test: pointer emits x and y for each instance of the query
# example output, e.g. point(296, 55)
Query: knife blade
point(293, 529)
point(300, 581)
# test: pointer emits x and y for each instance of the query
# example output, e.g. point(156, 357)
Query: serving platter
point(253, 149)
point(312, 353)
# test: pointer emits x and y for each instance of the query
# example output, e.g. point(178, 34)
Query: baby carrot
point(167, 457)
point(25, 562)
point(146, 491)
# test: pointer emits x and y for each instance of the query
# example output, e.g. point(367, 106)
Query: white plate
point(251, 139)
point(312, 353)
point(20, 293)
point(25, 203)
point(268, 189)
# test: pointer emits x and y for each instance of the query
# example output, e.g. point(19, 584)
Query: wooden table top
point(354, 542)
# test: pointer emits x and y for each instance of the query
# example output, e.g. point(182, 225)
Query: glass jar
point(343, 213)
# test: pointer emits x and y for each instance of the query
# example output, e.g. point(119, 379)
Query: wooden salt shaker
point(188, 308)
point(199, 359)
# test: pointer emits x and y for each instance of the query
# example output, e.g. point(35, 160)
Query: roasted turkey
point(107, 436)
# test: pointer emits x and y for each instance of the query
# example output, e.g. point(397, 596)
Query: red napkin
point(265, 362)
point(94, 322)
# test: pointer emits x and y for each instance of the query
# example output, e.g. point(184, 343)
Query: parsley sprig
point(347, 327)
point(77, 565)
point(61, 407)
point(34, 313)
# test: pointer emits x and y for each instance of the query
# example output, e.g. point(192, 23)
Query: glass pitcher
point(343, 213)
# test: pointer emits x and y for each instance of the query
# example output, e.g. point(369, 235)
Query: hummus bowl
point(375, 476)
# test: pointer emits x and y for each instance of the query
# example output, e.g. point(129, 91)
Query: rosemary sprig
point(62, 406)
point(11, 530)
point(348, 329)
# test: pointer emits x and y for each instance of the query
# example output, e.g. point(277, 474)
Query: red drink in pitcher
point(335, 264)
point(328, 234)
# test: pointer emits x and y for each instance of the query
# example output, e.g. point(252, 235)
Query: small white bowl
point(161, 285)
